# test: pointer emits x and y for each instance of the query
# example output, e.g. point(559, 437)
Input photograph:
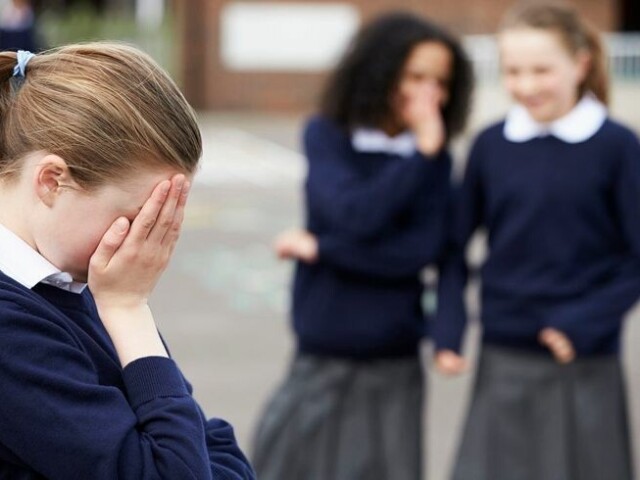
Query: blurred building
point(273, 55)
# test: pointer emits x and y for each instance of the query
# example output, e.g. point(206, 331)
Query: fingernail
point(186, 187)
point(166, 185)
point(121, 225)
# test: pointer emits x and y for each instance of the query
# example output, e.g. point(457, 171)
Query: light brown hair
point(575, 33)
point(107, 109)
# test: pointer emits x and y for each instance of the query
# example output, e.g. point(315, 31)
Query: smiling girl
point(557, 186)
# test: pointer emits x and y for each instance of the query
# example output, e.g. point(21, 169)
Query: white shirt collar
point(579, 125)
point(27, 267)
point(371, 140)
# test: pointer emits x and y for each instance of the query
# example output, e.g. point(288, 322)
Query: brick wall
point(208, 84)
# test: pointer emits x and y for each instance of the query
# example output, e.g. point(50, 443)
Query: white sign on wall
point(269, 36)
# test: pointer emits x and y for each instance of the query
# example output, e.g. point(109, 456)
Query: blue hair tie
point(23, 58)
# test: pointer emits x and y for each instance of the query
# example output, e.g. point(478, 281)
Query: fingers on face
point(110, 242)
point(162, 214)
point(175, 214)
point(428, 94)
point(148, 215)
point(166, 216)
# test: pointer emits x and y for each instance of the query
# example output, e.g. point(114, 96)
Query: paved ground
point(223, 303)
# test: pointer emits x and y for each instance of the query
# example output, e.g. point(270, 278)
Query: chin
point(79, 276)
point(542, 115)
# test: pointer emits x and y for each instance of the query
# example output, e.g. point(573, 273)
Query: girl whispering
point(556, 184)
point(97, 152)
point(377, 193)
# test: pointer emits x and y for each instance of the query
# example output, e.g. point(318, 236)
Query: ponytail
point(597, 79)
point(7, 94)
point(107, 109)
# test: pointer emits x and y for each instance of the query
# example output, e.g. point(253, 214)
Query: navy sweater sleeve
point(597, 314)
point(339, 196)
point(60, 421)
point(226, 459)
point(466, 215)
point(405, 251)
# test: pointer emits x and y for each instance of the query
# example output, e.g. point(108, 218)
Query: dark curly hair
point(359, 90)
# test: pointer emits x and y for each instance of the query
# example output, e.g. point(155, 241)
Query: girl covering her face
point(97, 151)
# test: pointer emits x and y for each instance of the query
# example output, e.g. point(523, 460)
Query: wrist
point(133, 332)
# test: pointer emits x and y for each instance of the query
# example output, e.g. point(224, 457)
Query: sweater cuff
point(455, 345)
point(446, 338)
point(152, 377)
point(429, 159)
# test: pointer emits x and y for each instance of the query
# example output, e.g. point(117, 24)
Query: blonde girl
point(97, 151)
point(556, 184)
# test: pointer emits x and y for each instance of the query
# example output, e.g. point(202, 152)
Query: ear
point(583, 63)
point(51, 173)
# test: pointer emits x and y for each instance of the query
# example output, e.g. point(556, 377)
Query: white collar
point(579, 125)
point(373, 140)
point(27, 267)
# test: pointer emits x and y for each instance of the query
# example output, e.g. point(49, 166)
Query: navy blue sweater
point(379, 220)
point(69, 411)
point(563, 223)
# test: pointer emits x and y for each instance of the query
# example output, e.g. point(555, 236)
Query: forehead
point(137, 185)
point(430, 57)
point(530, 45)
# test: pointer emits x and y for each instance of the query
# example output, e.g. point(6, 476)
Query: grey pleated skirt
point(533, 419)
point(336, 419)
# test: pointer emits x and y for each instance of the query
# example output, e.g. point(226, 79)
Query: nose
point(525, 85)
point(435, 89)
point(431, 84)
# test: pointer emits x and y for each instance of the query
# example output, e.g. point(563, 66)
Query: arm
point(341, 198)
point(227, 461)
point(467, 208)
point(123, 271)
point(128, 263)
point(58, 419)
point(599, 313)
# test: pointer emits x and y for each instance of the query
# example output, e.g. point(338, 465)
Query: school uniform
point(68, 410)
point(351, 406)
point(560, 203)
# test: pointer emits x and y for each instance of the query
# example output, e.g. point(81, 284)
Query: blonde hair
point(107, 109)
point(575, 33)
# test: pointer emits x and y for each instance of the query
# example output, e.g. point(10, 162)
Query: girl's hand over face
point(130, 258)
point(423, 116)
point(297, 244)
point(559, 344)
point(449, 362)
point(127, 264)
